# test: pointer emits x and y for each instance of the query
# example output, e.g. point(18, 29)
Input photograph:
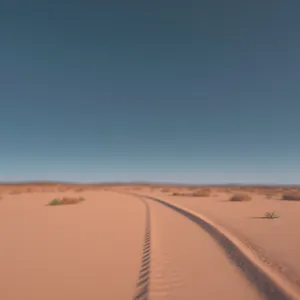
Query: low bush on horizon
point(240, 198)
point(291, 196)
point(199, 193)
point(65, 201)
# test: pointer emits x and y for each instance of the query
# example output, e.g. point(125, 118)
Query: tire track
point(166, 275)
point(271, 288)
point(142, 286)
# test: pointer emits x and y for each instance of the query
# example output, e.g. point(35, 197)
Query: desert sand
point(188, 264)
point(87, 251)
point(277, 241)
point(116, 246)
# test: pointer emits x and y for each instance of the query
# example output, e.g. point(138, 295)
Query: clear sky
point(186, 91)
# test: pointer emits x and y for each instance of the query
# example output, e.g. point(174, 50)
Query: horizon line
point(143, 183)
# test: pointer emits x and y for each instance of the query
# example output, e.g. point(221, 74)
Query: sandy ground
point(188, 264)
point(278, 239)
point(91, 250)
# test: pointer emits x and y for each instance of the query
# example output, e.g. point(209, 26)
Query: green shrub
point(54, 202)
point(66, 201)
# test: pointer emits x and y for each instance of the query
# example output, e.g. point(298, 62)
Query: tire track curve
point(272, 286)
point(142, 286)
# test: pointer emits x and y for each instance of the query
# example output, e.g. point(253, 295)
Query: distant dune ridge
point(286, 192)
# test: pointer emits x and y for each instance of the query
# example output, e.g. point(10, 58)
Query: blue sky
point(185, 91)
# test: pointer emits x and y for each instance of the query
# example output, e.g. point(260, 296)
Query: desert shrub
point(201, 193)
point(54, 202)
point(181, 194)
point(271, 215)
point(66, 201)
point(177, 194)
point(291, 196)
point(192, 194)
point(240, 198)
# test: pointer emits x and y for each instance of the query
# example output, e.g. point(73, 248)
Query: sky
point(167, 91)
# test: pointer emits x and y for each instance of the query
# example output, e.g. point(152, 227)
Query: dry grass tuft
point(240, 198)
point(271, 215)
